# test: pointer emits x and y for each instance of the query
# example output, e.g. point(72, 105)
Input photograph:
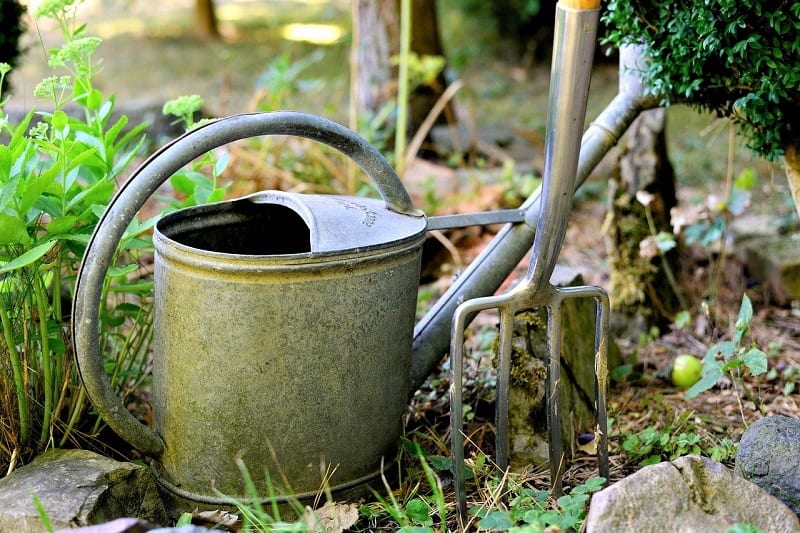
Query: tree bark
point(639, 285)
point(376, 28)
point(206, 17)
point(425, 41)
point(791, 166)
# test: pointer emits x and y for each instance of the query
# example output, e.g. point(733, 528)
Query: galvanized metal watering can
point(365, 258)
point(283, 323)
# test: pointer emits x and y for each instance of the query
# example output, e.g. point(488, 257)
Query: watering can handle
point(144, 182)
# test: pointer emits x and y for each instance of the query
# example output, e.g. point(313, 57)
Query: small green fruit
point(686, 371)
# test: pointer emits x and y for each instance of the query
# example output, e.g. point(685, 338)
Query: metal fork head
point(524, 297)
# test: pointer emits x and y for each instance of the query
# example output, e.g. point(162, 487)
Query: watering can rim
point(338, 224)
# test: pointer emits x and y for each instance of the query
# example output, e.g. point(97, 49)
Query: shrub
point(737, 59)
point(11, 25)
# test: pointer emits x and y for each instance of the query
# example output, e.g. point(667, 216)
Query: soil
point(156, 56)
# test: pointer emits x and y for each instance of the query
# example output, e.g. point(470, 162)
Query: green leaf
point(708, 380)
point(59, 120)
point(184, 520)
point(183, 184)
point(756, 361)
point(13, 230)
point(94, 100)
point(496, 521)
point(99, 193)
point(746, 179)
point(440, 462)
point(35, 186)
point(665, 241)
point(743, 321)
point(61, 224)
point(683, 319)
point(725, 348)
point(221, 164)
point(32, 255)
point(123, 270)
point(216, 195)
point(43, 516)
point(418, 512)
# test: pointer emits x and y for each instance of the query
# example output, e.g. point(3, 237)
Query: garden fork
point(574, 43)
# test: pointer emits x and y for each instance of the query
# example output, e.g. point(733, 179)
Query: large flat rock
point(77, 488)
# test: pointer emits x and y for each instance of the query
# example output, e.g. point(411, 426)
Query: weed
point(255, 518)
point(733, 357)
point(789, 374)
point(626, 370)
point(651, 446)
point(416, 509)
point(56, 175)
point(683, 435)
point(517, 187)
point(47, 525)
point(58, 171)
point(531, 510)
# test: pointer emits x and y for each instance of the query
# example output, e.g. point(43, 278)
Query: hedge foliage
point(738, 59)
point(11, 29)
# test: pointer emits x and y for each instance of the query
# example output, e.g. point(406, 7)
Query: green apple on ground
point(686, 371)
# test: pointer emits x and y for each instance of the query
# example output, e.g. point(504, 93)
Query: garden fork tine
point(573, 49)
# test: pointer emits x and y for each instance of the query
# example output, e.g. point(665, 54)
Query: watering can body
point(282, 331)
point(269, 350)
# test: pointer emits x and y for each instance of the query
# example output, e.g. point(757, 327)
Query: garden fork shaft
point(573, 49)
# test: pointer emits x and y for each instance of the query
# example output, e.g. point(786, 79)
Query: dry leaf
point(219, 518)
point(331, 518)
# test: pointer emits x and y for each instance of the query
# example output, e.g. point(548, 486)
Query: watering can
point(282, 329)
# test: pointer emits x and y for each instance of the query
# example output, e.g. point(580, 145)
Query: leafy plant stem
point(76, 410)
point(47, 357)
point(19, 381)
point(436, 486)
point(402, 85)
point(737, 382)
point(664, 262)
point(720, 263)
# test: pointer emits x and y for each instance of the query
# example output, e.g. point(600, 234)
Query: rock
point(775, 262)
point(495, 142)
point(769, 456)
point(134, 525)
point(691, 493)
point(77, 488)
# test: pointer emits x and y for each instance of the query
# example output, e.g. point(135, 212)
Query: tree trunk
point(206, 19)
point(376, 29)
point(425, 41)
point(639, 286)
point(791, 165)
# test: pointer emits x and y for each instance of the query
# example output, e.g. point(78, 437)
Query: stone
point(492, 141)
point(769, 456)
point(691, 493)
point(134, 525)
point(77, 488)
point(775, 262)
point(527, 419)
